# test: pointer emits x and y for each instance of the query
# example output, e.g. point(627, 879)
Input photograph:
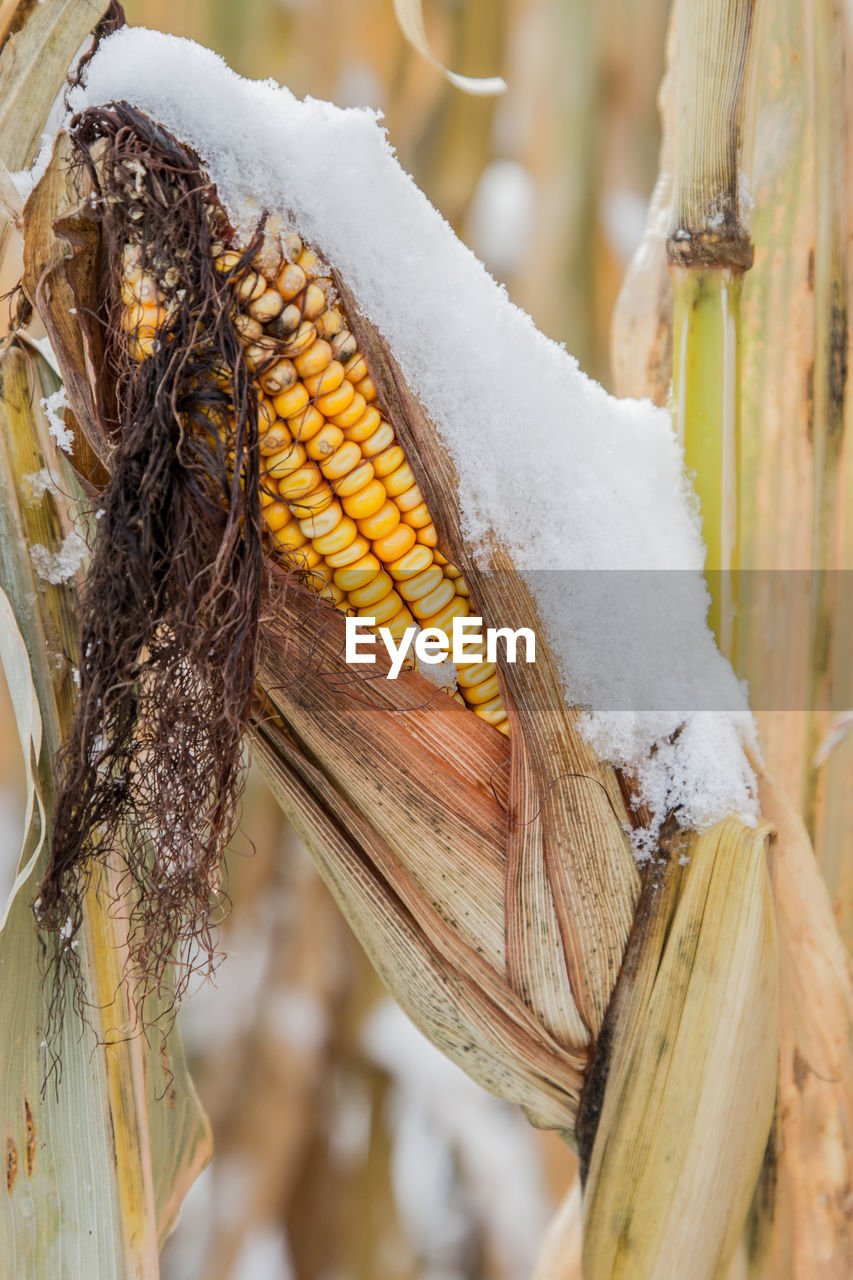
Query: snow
point(568, 479)
point(53, 406)
point(60, 566)
point(441, 1121)
point(500, 221)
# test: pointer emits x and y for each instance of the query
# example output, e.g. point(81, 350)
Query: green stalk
point(706, 340)
point(709, 249)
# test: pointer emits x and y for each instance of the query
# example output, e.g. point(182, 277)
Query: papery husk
point(689, 1097)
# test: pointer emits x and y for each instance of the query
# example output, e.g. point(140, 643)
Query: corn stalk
point(119, 1127)
point(798, 1225)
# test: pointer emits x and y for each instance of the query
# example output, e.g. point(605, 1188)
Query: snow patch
point(59, 566)
point(53, 406)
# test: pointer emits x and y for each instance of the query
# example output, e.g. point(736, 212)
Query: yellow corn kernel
point(279, 377)
point(366, 502)
point(315, 359)
point(288, 322)
point(371, 592)
point(309, 261)
point(299, 483)
point(444, 620)
point(418, 517)
point(411, 498)
point(470, 677)
point(305, 558)
point(367, 389)
point(413, 562)
point(462, 587)
point(344, 346)
point(325, 522)
point(428, 536)
point(248, 328)
point(227, 261)
point(365, 427)
point(344, 460)
point(301, 340)
point(330, 323)
point(381, 439)
point(357, 574)
point(434, 601)
point(354, 481)
point(250, 288)
point(388, 460)
point(328, 379)
point(312, 503)
point(349, 554)
point(492, 712)
point(356, 368)
point(336, 401)
point(266, 415)
point(331, 593)
point(281, 464)
point(327, 440)
point(305, 425)
point(477, 694)
point(291, 281)
point(352, 414)
point(343, 535)
point(293, 245)
point(314, 301)
point(291, 402)
point(143, 319)
point(384, 610)
point(289, 537)
point(394, 544)
point(421, 584)
point(382, 522)
point(503, 727)
point(275, 440)
point(276, 515)
point(398, 624)
point(265, 308)
point(398, 481)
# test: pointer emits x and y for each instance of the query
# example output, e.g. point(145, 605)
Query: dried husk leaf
point(803, 1217)
point(124, 1125)
point(690, 1081)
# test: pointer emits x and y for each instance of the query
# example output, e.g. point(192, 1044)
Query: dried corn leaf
point(121, 1129)
point(693, 1057)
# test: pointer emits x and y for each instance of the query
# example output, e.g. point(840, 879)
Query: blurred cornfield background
point(346, 1148)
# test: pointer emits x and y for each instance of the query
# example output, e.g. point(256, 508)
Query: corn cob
point(339, 500)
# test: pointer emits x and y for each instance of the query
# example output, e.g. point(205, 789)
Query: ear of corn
point(339, 500)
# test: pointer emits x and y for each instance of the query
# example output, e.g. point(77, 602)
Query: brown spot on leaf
point(11, 1163)
point(801, 1069)
point(31, 1139)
